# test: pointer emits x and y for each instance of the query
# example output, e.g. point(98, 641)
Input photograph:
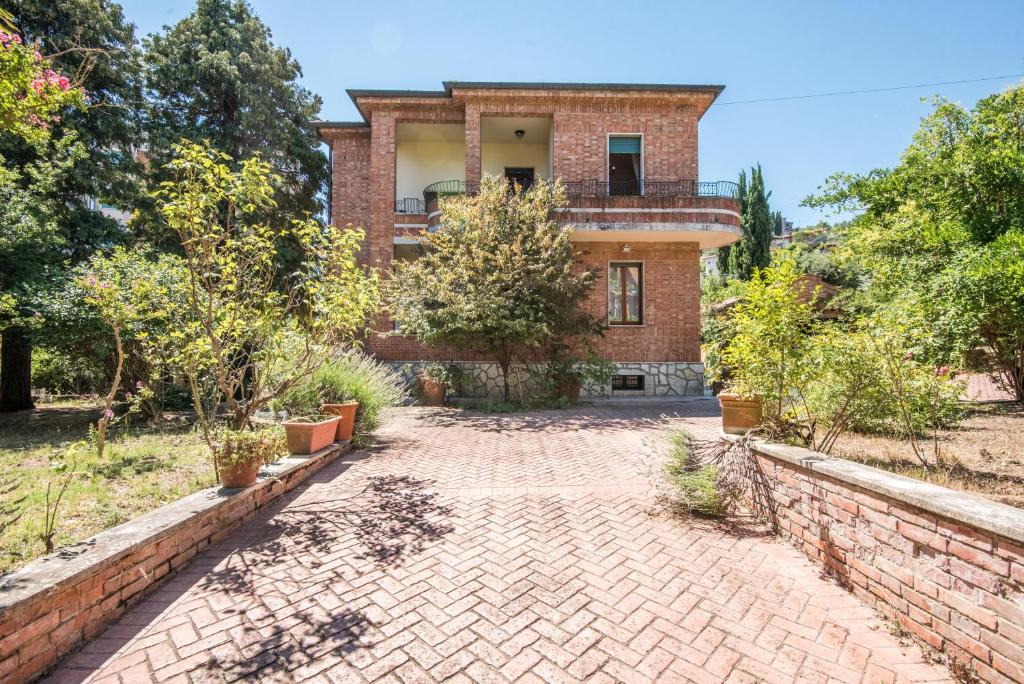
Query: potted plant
point(739, 413)
point(346, 412)
point(433, 382)
point(309, 435)
point(240, 454)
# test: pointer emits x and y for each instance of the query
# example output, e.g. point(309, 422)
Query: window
point(623, 383)
point(625, 293)
point(625, 164)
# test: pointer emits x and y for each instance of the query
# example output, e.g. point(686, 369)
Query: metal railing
point(596, 188)
point(410, 205)
point(651, 188)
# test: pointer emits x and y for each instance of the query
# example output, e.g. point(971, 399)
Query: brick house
point(627, 154)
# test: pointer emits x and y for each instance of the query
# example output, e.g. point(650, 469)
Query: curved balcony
point(705, 212)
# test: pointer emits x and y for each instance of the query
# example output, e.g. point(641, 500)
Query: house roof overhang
point(365, 99)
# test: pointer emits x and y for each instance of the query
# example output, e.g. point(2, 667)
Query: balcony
point(707, 213)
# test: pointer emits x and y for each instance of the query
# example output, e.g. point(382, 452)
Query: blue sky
point(756, 49)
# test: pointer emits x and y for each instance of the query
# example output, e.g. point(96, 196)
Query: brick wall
point(53, 605)
point(671, 329)
point(947, 566)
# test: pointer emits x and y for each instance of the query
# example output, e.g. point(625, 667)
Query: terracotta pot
point(569, 388)
point(307, 437)
point(433, 391)
point(347, 413)
point(238, 475)
point(738, 413)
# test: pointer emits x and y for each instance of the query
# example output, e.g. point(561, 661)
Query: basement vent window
point(628, 383)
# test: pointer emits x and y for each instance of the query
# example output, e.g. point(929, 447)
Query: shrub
point(695, 483)
point(358, 377)
point(770, 355)
point(61, 373)
point(353, 376)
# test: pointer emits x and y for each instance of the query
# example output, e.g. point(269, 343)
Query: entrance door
point(521, 176)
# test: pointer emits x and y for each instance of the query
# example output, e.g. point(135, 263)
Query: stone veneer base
point(482, 380)
point(56, 603)
point(948, 566)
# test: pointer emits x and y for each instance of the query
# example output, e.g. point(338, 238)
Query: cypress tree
point(725, 262)
point(760, 223)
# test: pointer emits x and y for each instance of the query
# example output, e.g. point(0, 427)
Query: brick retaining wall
point(53, 605)
point(946, 565)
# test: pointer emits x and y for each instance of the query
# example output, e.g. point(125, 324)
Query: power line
point(867, 90)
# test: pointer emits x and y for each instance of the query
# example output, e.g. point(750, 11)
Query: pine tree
point(216, 76)
point(90, 39)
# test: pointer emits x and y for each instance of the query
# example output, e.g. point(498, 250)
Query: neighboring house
point(627, 155)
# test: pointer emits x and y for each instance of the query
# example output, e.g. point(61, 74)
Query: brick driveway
point(470, 547)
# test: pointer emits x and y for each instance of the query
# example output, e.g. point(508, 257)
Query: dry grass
point(142, 469)
point(985, 455)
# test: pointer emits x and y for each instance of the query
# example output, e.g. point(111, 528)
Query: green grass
point(141, 470)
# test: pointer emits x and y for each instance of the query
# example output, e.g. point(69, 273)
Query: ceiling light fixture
point(520, 132)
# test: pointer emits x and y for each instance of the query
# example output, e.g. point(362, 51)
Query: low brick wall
point(946, 565)
point(53, 605)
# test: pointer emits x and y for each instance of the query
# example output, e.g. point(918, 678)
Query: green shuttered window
point(624, 144)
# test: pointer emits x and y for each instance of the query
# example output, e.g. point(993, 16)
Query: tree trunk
point(15, 371)
point(505, 363)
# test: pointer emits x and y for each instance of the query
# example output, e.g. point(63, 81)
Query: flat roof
point(356, 93)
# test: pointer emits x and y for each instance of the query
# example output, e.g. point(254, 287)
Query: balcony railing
point(651, 188)
point(410, 205)
point(581, 188)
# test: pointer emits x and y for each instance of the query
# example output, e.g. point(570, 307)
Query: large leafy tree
point(938, 237)
point(500, 278)
point(90, 160)
point(216, 76)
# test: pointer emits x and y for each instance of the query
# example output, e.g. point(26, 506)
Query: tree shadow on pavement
point(289, 575)
point(595, 417)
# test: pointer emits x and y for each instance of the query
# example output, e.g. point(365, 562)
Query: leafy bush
point(695, 483)
point(61, 373)
point(770, 355)
point(818, 379)
point(250, 447)
point(353, 376)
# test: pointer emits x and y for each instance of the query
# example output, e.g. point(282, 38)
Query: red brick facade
point(581, 119)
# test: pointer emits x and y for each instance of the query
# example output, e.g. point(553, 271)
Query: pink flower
point(138, 385)
point(4, 38)
point(38, 56)
point(63, 83)
point(942, 371)
point(108, 414)
point(908, 355)
point(90, 279)
point(16, 38)
point(38, 85)
point(128, 396)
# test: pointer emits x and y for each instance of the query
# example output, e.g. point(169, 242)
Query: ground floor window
point(625, 293)
point(627, 382)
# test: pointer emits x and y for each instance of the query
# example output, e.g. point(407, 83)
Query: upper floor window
point(625, 293)
point(625, 164)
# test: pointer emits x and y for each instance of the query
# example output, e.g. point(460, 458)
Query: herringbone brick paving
point(469, 547)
